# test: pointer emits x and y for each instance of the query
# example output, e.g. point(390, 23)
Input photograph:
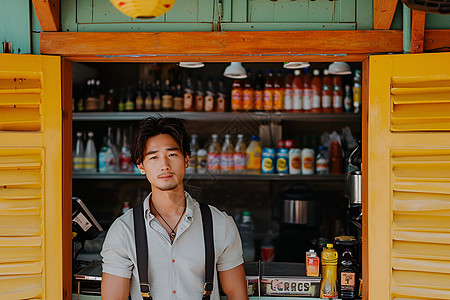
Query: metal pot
point(300, 205)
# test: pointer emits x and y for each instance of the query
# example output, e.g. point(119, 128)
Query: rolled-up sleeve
point(231, 256)
point(116, 260)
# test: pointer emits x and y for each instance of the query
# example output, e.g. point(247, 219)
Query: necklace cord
point(172, 233)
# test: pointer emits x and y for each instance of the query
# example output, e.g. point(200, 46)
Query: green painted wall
point(15, 25)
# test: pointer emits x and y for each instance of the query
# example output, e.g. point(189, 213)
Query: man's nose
point(165, 165)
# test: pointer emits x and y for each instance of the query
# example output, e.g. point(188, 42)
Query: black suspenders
point(142, 250)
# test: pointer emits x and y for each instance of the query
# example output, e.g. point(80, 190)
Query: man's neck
point(169, 202)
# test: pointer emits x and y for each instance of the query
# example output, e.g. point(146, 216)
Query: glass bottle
point(78, 156)
point(148, 102)
point(247, 233)
point(278, 92)
point(268, 92)
point(337, 94)
point(297, 92)
point(307, 91)
point(90, 155)
point(157, 96)
point(188, 96)
point(121, 104)
point(213, 157)
point(110, 101)
point(347, 99)
point(288, 92)
point(327, 92)
point(236, 95)
point(247, 93)
point(227, 156)
point(221, 98)
point(125, 163)
point(322, 165)
point(258, 92)
point(129, 104)
point(316, 85)
point(239, 155)
point(107, 159)
point(199, 96)
point(357, 84)
point(210, 95)
point(193, 158)
point(167, 97)
point(178, 98)
point(139, 97)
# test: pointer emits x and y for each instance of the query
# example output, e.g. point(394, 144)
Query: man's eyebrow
point(168, 149)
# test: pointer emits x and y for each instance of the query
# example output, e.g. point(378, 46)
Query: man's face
point(164, 163)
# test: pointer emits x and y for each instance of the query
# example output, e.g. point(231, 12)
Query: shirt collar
point(190, 204)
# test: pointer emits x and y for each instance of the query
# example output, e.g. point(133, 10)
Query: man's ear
point(187, 158)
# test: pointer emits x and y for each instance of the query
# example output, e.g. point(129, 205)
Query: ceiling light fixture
point(296, 65)
point(339, 68)
point(144, 9)
point(235, 70)
point(191, 65)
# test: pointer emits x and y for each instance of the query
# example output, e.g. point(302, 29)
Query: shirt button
point(173, 260)
point(174, 292)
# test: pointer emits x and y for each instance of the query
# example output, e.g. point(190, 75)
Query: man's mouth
point(165, 176)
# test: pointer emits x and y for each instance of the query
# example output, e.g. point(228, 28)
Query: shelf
point(225, 116)
point(219, 177)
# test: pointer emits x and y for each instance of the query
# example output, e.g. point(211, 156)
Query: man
point(160, 149)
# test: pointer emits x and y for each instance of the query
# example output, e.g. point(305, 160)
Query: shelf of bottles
point(219, 177)
point(218, 116)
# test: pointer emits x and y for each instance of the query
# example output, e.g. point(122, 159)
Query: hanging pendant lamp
point(235, 70)
point(144, 9)
point(296, 65)
point(339, 68)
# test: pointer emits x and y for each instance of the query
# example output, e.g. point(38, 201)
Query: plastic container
point(227, 156)
point(297, 92)
point(316, 85)
point(307, 92)
point(312, 264)
point(337, 94)
point(247, 232)
point(214, 158)
point(327, 93)
point(239, 155)
point(322, 163)
point(253, 156)
point(78, 156)
point(267, 162)
point(328, 286)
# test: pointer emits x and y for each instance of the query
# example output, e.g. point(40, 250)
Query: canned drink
point(267, 161)
point(307, 161)
point(282, 165)
point(281, 143)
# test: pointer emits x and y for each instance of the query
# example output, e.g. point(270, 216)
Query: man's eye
point(153, 157)
point(172, 154)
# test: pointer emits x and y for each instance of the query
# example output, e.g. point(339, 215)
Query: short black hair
point(153, 126)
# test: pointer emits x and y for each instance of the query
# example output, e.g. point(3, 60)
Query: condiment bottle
point(199, 96)
point(307, 91)
point(316, 85)
point(239, 154)
point(347, 99)
point(288, 92)
point(297, 92)
point(253, 156)
point(328, 287)
point(221, 98)
point(327, 93)
point(335, 158)
point(210, 97)
point(312, 263)
point(247, 93)
point(357, 92)
point(278, 94)
point(236, 95)
point(227, 156)
point(188, 96)
point(268, 92)
point(347, 272)
point(337, 94)
point(213, 157)
point(258, 92)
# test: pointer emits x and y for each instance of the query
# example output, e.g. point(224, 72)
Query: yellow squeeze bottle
point(253, 156)
point(328, 287)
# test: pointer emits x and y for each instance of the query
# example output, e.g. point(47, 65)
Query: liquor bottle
point(210, 95)
point(199, 96)
point(188, 96)
point(110, 101)
point(90, 155)
point(100, 96)
point(337, 94)
point(236, 95)
point(268, 92)
point(129, 104)
point(125, 155)
point(227, 156)
point(316, 85)
point(148, 102)
point(91, 102)
point(307, 91)
point(247, 93)
point(288, 92)
point(139, 97)
point(167, 97)
point(297, 92)
point(221, 97)
point(121, 104)
point(327, 93)
point(278, 93)
point(157, 96)
point(178, 98)
point(193, 162)
point(213, 156)
point(78, 155)
point(239, 155)
point(347, 99)
point(258, 91)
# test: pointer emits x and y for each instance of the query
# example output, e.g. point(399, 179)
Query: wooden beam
point(383, 13)
point(223, 46)
point(417, 31)
point(437, 40)
point(48, 13)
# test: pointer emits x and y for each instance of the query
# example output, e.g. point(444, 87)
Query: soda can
point(282, 165)
point(267, 161)
point(307, 161)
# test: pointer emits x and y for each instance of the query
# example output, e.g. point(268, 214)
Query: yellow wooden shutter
point(30, 177)
point(408, 177)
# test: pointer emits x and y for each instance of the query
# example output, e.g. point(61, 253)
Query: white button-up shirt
point(176, 270)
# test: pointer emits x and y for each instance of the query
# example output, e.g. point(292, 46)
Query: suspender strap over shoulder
point(209, 250)
point(141, 250)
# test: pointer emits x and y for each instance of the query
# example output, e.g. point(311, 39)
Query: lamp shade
point(296, 65)
point(191, 65)
point(339, 68)
point(235, 70)
point(145, 9)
